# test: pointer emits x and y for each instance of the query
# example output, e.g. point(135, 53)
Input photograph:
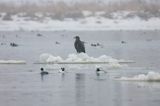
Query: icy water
point(22, 85)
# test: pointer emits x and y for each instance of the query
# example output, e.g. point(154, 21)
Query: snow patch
point(87, 13)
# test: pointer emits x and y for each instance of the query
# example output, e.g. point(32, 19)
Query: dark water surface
point(22, 85)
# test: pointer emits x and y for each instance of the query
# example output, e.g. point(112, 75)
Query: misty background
point(61, 9)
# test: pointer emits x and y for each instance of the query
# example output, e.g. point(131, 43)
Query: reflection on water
point(62, 76)
point(80, 89)
point(74, 89)
point(43, 77)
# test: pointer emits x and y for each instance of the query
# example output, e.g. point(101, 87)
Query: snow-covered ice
point(82, 57)
point(150, 76)
point(12, 61)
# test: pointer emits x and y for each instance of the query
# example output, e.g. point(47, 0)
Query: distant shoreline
point(95, 15)
point(90, 24)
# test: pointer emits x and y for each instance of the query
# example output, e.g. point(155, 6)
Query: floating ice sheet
point(12, 62)
point(82, 58)
point(150, 76)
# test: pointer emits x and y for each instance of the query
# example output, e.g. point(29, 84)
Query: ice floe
point(12, 62)
point(82, 58)
point(150, 76)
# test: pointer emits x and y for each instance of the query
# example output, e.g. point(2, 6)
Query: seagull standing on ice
point(79, 45)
